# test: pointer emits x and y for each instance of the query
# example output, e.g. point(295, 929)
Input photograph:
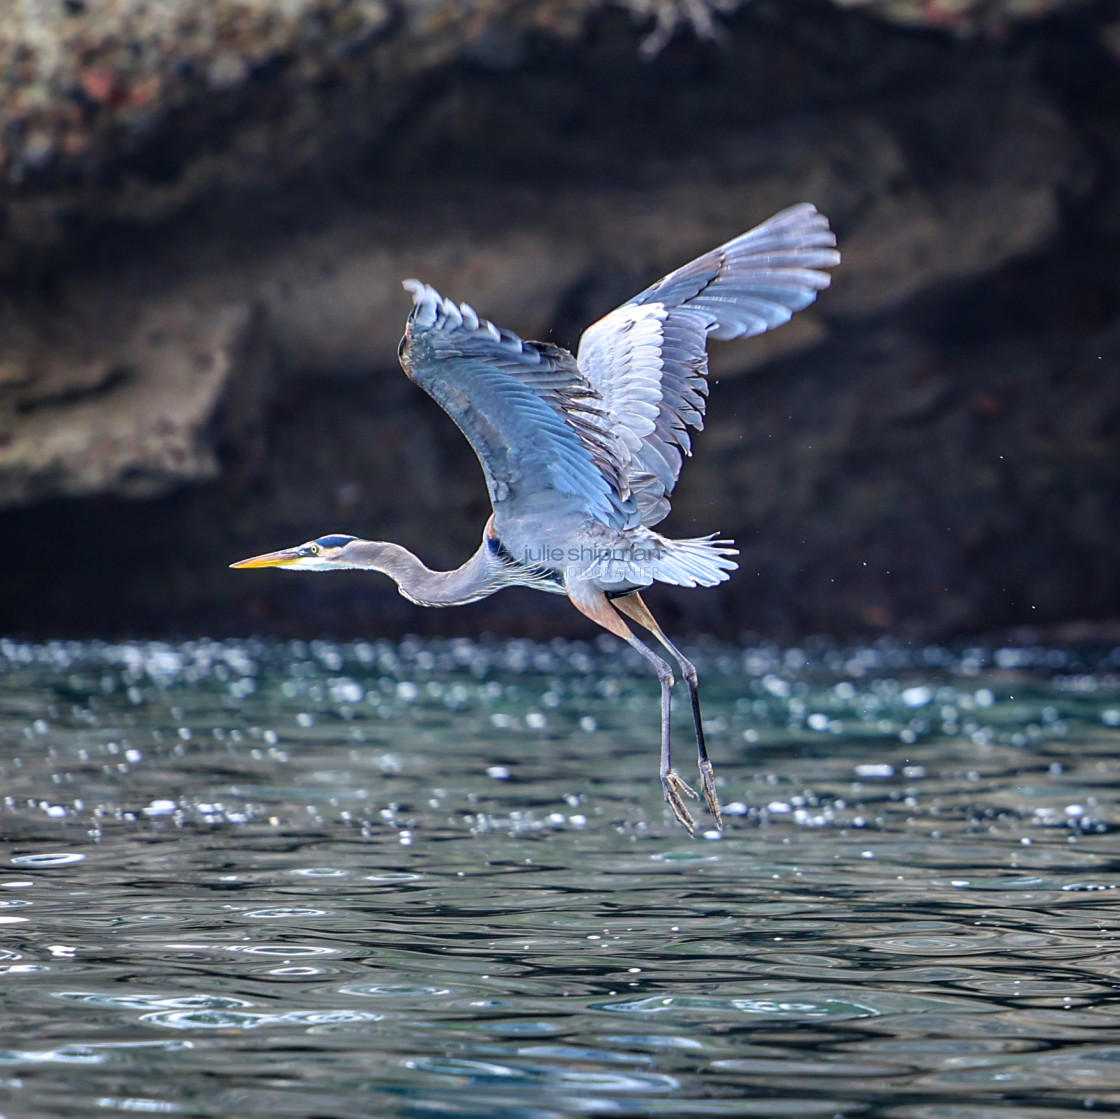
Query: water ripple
point(310, 878)
point(48, 859)
point(248, 1020)
point(474, 1071)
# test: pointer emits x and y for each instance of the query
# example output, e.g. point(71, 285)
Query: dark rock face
point(931, 449)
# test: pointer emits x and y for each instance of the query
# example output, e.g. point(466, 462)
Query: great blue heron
point(581, 453)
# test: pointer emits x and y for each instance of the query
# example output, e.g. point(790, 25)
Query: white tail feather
point(698, 562)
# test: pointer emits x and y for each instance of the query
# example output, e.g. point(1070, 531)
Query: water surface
point(436, 879)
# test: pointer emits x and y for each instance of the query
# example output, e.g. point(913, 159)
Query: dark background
point(203, 238)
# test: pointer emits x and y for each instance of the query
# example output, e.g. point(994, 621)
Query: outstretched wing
point(648, 358)
point(538, 428)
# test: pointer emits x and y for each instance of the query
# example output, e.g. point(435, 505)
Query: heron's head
point(328, 553)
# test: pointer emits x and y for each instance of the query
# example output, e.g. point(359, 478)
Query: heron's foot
point(708, 785)
point(674, 785)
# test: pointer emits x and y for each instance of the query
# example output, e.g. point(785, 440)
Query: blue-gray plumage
point(581, 453)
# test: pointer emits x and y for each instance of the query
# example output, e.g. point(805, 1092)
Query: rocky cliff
point(206, 211)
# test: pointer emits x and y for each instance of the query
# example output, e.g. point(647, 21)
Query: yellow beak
point(283, 558)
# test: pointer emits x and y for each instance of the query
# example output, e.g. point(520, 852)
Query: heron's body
point(581, 452)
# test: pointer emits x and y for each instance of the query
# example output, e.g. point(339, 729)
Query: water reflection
point(436, 878)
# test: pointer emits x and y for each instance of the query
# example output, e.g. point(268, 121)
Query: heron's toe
point(711, 797)
point(674, 785)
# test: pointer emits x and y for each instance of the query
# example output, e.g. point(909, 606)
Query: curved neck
point(476, 579)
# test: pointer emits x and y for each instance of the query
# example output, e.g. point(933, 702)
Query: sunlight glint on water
point(435, 878)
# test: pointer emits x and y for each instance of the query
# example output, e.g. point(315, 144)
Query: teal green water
point(436, 879)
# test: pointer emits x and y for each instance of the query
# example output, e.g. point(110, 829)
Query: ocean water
point(436, 878)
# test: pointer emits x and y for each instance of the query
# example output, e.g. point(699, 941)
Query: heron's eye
point(309, 550)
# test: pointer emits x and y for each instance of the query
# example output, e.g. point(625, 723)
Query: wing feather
point(648, 358)
point(537, 426)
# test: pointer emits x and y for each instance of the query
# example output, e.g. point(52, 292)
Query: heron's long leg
point(633, 606)
point(598, 608)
